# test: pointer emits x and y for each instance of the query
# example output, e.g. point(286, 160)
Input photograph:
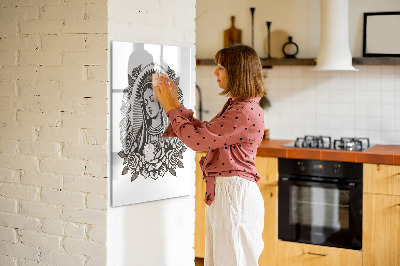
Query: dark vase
point(290, 49)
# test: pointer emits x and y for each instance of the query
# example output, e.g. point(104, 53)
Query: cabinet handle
point(318, 254)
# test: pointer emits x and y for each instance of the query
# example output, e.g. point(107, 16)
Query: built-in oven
point(320, 202)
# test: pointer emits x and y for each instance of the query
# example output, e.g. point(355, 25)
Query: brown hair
point(245, 78)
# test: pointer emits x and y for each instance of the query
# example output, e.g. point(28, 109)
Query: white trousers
point(234, 223)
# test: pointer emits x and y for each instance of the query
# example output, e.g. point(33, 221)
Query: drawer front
point(381, 179)
point(293, 254)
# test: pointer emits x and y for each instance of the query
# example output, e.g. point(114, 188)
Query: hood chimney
point(334, 51)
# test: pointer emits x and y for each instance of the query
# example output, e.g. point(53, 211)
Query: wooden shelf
point(376, 61)
point(288, 62)
point(312, 61)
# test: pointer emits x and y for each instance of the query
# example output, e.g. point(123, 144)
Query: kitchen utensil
point(232, 35)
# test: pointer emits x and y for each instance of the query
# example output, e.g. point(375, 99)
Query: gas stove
point(325, 142)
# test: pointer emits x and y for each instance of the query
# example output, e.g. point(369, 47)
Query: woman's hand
point(164, 94)
point(174, 90)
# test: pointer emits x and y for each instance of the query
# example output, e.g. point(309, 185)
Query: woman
point(235, 207)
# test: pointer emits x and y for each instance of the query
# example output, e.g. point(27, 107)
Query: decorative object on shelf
point(277, 39)
point(378, 38)
point(144, 166)
point(232, 35)
point(252, 9)
point(269, 39)
point(290, 49)
point(334, 51)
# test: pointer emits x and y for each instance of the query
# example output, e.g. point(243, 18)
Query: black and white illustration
point(143, 150)
point(144, 165)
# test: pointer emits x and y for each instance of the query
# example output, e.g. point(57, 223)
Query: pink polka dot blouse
point(231, 139)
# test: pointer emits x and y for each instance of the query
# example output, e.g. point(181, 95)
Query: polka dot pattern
point(231, 139)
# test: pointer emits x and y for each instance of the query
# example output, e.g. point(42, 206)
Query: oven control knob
point(336, 169)
point(302, 167)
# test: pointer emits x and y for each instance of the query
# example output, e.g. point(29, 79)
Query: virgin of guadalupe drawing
point(144, 151)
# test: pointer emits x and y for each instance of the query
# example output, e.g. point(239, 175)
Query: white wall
point(298, 18)
point(160, 232)
point(338, 104)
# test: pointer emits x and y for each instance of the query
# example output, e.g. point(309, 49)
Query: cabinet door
point(200, 207)
point(297, 254)
point(270, 233)
point(381, 230)
point(267, 168)
point(381, 179)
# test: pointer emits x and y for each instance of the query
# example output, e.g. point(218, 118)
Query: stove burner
point(308, 141)
point(351, 144)
point(324, 142)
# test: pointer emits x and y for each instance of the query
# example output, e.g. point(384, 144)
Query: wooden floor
point(199, 262)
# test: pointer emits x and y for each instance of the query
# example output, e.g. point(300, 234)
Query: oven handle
point(297, 181)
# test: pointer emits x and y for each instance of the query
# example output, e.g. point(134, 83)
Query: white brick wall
point(53, 128)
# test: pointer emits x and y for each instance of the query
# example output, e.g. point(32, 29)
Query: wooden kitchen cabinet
point(381, 230)
point(267, 168)
point(298, 254)
point(381, 215)
point(270, 233)
point(200, 207)
point(381, 179)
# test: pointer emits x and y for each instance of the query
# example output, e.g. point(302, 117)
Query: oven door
point(322, 212)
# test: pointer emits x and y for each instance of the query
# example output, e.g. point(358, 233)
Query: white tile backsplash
point(374, 110)
point(374, 83)
point(374, 97)
point(388, 84)
point(361, 110)
point(364, 103)
point(397, 123)
point(346, 132)
point(348, 96)
point(322, 121)
point(322, 95)
point(387, 124)
point(361, 124)
point(397, 72)
point(347, 110)
point(387, 72)
point(388, 111)
point(388, 97)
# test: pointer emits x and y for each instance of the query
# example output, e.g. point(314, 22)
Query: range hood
point(334, 51)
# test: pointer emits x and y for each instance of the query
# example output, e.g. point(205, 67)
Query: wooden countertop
point(379, 154)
